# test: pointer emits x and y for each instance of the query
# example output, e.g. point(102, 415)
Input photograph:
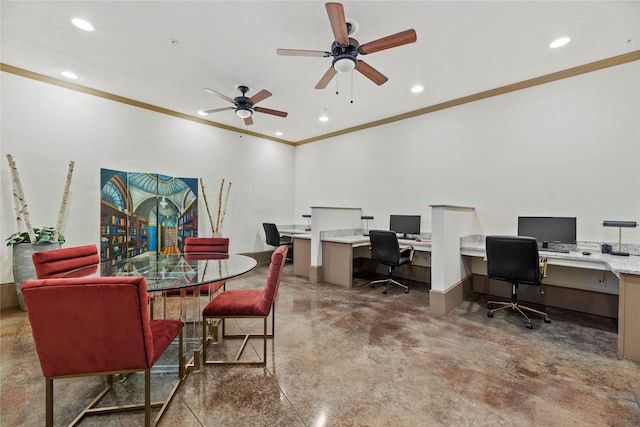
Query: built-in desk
point(338, 253)
point(625, 268)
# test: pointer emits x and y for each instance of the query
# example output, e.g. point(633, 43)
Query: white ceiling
point(463, 47)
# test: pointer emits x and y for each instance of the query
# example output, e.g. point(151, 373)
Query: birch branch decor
point(224, 210)
point(25, 229)
point(206, 204)
point(22, 213)
point(216, 227)
point(63, 204)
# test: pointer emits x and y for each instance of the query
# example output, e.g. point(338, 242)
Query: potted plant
point(24, 243)
point(23, 248)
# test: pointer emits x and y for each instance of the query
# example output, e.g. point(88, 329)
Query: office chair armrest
point(410, 248)
point(543, 267)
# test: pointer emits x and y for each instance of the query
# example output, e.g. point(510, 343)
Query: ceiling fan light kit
point(345, 63)
point(243, 112)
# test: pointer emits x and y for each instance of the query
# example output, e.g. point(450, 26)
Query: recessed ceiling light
point(323, 118)
point(69, 75)
point(417, 89)
point(278, 133)
point(82, 24)
point(202, 113)
point(559, 42)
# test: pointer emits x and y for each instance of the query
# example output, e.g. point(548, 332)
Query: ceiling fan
point(243, 106)
point(345, 49)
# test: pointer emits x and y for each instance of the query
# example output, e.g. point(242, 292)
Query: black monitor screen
point(548, 229)
point(405, 224)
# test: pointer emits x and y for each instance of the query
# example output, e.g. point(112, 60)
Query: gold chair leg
point(49, 402)
point(245, 340)
point(517, 307)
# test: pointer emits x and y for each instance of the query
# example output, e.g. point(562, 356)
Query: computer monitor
point(405, 225)
point(548, 229)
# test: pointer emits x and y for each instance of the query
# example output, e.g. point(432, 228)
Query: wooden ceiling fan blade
point(263, 94)
point(248, 121)
point(371, 73)
point(398, 39)
point(338, 22)
point(221, 95)
point(326, 78)
point(270, 111)
point(217, 110)
point(302, 52)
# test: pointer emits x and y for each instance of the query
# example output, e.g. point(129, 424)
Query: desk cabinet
point(301, 257)
point(629, 317)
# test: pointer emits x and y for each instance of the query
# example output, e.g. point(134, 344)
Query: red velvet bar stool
point(98, 326)
point(246, 303)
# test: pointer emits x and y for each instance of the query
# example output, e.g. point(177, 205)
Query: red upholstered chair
point(53, 263)
point(246, 303)
point(94, 326)
point(50, 264)
point(195, 245)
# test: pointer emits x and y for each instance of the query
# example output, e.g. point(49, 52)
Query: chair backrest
point(384, 247)
point(513, 259)
point(271, 233)
point(53, 263)
point(90, 324)
point(270, 292)
point(206, 244)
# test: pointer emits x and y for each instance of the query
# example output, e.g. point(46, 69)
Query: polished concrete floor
point(359, 358)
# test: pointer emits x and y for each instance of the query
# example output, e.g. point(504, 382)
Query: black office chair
point(386, 250)
point(514, 260)
point(273, 238)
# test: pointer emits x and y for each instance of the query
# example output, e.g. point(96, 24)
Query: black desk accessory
point(308, 216)
point(620, 225)
point(366, 218)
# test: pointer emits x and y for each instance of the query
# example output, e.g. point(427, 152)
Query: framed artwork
point(145, 213)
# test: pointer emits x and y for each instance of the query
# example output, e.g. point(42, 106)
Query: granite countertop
point(474, 245)
point(362, 240)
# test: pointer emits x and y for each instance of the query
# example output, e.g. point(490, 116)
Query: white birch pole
point(63, 205)
point(20, 196)
point(224, 210)
point(206, 204)
point(219, 206)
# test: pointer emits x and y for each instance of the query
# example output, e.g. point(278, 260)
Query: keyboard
point(560, 251)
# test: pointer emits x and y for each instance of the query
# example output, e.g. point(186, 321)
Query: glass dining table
point(174, 274)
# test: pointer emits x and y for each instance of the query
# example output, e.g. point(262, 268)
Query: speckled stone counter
point(474, 246)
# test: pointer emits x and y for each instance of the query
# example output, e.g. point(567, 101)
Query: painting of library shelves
point(145, 214)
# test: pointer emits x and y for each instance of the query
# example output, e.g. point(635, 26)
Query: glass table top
point(174, 271)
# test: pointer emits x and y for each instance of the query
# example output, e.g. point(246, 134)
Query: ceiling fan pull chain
point(352, 87)
point(337, 85)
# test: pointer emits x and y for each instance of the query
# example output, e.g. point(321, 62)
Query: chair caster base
point(384, 291)
point(406, 291)
point(547, 320)
point(529, 325)
point(489, 313)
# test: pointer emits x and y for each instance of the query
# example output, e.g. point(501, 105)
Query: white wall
point(567, 148)
point(571, 147)
point(45, 126)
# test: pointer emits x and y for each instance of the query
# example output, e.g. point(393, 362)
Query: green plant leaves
point(43, 235)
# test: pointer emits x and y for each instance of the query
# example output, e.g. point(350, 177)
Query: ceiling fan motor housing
point(350, 49)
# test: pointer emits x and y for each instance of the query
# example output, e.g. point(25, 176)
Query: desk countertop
point(361, 240)
point(597, 260)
